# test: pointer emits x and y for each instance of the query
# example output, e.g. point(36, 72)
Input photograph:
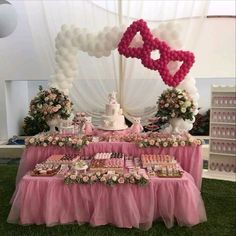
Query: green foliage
point(34, 125)
point(50, 103)
point(44, 106)
point(201, 124)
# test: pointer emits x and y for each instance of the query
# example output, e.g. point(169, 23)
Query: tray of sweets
point(169, 176)
point(45, 169)
point(36, 173)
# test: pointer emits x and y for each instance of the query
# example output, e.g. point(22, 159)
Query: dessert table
point(48, 200)
point(189, 157)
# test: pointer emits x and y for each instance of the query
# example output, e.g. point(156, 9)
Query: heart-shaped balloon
point(187, 59)
point(124, 45)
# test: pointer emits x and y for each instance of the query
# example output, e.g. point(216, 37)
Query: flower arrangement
point(155, 139)
point(104, 177)
point(169, 141)
point(50, 103)
point(57, 140)
point(175, 103)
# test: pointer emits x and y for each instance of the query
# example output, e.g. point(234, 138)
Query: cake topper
point(112, 97)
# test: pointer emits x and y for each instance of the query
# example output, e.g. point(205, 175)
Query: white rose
point(79, 142)
point(175, 144)
point(140, 145)
point(73, 177)
point(60, 144)
point(182, 143)
point(165, 144)
point(114, 178)
point(31, 141)
point(183, 109)
point(187, 104)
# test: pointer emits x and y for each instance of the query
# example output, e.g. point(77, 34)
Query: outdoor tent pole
point(121, 74)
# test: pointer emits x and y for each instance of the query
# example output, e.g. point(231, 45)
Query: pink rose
point(41, 139)
point(74, 141)
point(85, 179)
point(132, 180)
point(50, 138)
point(103, 179)
point(121, 180)
point(93, 178)
point(73, 177)
point(151, 142)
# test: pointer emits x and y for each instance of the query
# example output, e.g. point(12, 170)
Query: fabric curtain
point(137, 86)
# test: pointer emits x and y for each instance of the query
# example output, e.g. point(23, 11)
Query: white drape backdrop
point(139, 87)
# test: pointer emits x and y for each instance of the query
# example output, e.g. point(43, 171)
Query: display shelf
point(222, 123)
point(220, 138)
point(223, 107)
point(222, 145)
point(223, 153)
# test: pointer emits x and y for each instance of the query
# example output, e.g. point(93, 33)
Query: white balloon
point(107, 53)
point(178, 44)
point(169, 26)
point(70, 85)
point(64, 28)
point(108, 45)
point(76, 31)
point(110, 36)
point(195, 112)
point(66, 91)
point(60, 77)
point(68, 72)
point(68, 44)
point(69, 34)
point(63, 51)
point(64, 64)
point(174, 35)
point(75, 42)
point(99, 47)
point(106, 28)
point(70, 79)
point(63, 84)
point(155, 32)
point(161, 27)
point(91, 46)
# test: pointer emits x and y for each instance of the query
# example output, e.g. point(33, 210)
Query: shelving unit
point(222, 153)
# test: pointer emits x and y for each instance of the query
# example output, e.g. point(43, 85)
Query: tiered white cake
point(113, 118)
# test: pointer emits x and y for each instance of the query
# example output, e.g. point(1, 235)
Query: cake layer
point(113, 122)
point(112, 109)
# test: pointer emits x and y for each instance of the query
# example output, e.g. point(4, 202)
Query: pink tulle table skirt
point(189, 157)
point(100, 132)
point(47, 200)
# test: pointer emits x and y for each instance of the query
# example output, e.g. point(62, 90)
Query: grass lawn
point(219, 197)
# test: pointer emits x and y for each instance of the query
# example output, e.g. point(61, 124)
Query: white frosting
point(113, 118)
point(112, 109)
